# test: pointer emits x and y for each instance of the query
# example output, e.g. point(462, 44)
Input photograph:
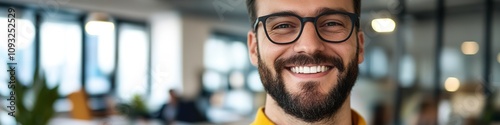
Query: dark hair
point(253, 15)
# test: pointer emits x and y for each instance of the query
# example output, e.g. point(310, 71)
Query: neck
point(277, 115)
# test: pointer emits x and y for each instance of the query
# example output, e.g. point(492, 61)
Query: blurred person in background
point(179, 111)
point(171, 109)
point(307, 54)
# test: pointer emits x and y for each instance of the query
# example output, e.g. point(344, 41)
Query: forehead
point(302, 7)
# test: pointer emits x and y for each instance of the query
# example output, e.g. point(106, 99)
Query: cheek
point(268, 57)
point(345, 50)
point(269, 52)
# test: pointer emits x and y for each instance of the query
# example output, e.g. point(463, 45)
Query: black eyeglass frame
point(354, 20)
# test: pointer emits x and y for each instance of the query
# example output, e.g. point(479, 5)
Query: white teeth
point(309, 69)
point(313, 69)
point(306, 69)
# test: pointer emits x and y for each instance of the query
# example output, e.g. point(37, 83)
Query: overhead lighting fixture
point(452, 84)
point(99, 23)
point(98, 27)
point(383, 25)
point(470, 48)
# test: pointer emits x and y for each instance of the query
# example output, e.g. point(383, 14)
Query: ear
point(252, 47)
point(361, 47)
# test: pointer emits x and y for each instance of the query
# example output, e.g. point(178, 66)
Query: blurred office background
point(133, 61)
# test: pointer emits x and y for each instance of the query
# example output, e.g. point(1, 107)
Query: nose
point(309, 42)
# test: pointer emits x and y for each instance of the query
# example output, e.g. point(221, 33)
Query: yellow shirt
point(261, 118)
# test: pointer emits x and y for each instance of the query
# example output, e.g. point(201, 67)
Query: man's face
point(307, 96)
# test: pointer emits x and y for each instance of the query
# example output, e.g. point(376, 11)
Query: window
point(224, 55)
point(132, 75)
point(60, 51)
point(166, 58)
point(99, 59)
point(25, 49)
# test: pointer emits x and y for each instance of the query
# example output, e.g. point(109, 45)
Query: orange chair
point(81, 109)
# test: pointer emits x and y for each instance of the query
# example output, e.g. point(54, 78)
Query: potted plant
point(42, 109)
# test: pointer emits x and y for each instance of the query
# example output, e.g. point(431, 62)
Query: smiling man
point(307, 53)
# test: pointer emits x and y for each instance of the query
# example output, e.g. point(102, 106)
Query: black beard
point(310, 105)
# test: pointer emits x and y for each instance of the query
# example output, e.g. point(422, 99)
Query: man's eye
point(332, 24)
point(282, 26)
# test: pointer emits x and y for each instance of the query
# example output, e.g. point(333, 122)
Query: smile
point(309, 69)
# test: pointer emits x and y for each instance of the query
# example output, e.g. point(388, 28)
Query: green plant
point(139, 105)
point(43, 101)
point(136, 108)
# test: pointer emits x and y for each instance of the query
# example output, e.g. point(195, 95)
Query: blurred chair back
point(81, 109)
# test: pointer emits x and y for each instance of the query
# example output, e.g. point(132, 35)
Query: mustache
point(304, 59)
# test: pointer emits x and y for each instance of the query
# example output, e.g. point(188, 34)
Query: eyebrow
point(318, 11)
point(326, 10)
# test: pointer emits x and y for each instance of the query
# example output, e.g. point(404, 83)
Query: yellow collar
point(261, 118)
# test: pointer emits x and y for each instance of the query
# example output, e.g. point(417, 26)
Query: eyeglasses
point(286, 28)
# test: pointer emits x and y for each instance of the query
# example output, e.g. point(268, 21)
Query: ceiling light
point(383, 25)
point(98, 27)
point(470, 47)
point(452, 84)
point(99, 23)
